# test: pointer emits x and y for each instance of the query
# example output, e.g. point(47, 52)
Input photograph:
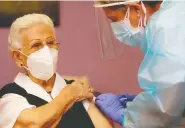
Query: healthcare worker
point(159, 30)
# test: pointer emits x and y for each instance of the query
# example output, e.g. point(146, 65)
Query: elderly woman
point(40, 97)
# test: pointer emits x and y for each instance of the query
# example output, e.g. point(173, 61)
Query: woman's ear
point(18, 58)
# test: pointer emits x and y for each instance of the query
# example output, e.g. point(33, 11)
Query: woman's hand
point(82, 89)
point(79, 90)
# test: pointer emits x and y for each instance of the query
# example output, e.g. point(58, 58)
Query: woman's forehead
point(38, 31)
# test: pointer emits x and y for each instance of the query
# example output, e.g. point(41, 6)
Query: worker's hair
point(24, 22)
point(109, 1)
point(151, 3)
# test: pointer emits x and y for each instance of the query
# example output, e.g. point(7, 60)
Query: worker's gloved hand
point(124, 98)
point(111, 106)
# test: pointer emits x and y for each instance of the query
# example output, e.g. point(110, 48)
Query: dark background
point(10, 10)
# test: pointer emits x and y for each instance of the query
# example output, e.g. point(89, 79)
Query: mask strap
point(24, 55)
point(144, 9)
point(127, 15)
point(140, 23)
point(25, 68)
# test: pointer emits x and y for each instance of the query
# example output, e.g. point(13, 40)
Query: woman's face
point(34, 38)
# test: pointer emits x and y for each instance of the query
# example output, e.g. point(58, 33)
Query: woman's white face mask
point(127, 34)
point(42, 63)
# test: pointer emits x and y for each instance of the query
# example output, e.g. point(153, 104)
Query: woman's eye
point(36, 45)
point(50, 42)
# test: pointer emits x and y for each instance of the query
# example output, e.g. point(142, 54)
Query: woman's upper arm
point(98, 119)
point(11, 105)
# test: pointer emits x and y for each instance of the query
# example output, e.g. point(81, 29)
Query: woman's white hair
point(24, 22)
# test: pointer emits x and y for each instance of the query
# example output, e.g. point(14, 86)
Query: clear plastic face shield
point(114, 26)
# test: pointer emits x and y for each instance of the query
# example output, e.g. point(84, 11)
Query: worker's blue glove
point(124, 98)
point(111, 106)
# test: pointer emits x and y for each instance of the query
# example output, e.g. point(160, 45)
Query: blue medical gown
point(162, 72)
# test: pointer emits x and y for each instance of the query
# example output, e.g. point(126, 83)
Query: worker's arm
point(48, 115)
point(98, 119)
point(162, 76)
